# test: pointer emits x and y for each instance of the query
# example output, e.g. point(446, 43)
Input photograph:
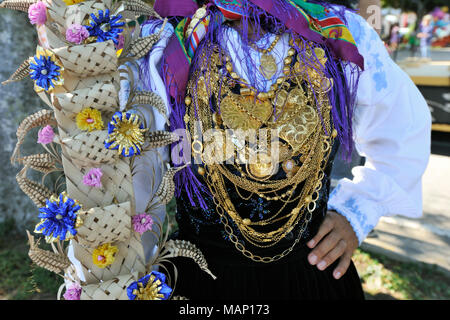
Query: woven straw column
point(91, 80)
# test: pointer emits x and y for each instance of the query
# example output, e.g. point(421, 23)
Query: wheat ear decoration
point(54, 262)
point(19, 5)
point(21, 73)
point(39, 119)
point(183, 248)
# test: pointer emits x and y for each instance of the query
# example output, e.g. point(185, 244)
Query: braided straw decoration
point(87, 149)
point(150, 98)
point(54, 262)
point(19, 5)
point(114, 289)
point(141, 46)
point(42, 162)
point(35, 191)
point(63, 15)
point(101, 96)
point(105, 225)
point(183, 248)
point(139, 7)
point(21, 73)
point(39, 119)
point(89, 59)
point(159, 138)
point(92, 79)
point(166, 189)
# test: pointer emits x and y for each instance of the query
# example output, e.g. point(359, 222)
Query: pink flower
point(37, 13)
point(142, 222)
point(93, 178)
point(73, 292)
point(77, 33)
point(120, 42)
point(45, 135)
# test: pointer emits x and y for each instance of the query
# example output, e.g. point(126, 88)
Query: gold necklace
point(268, 65)
point(311, 172)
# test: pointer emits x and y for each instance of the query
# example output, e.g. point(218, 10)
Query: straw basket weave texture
point(105, 225)
point(101, 96)
point(87, 149)
point(65, 15)
point(89, 59)
point(91, 79)
point(115, 289)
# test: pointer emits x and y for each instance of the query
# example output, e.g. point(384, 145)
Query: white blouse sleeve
point(392, 130)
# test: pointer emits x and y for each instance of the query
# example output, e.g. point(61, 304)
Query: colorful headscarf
point(314, 22)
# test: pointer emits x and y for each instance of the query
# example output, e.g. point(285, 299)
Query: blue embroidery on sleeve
point(351, 205)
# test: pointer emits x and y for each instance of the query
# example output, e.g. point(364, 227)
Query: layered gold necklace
point(268, 65)
point(291, 109)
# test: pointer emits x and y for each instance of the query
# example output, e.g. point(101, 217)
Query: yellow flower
point(89, 119)
point(103, 255)
point(71, 2)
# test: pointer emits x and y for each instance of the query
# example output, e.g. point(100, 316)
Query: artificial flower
point(45, 70)
point(71, 2)
point(142, 222)
point(37, 13)
point(89, 119)
point(46, 135)
point(59, 218)
point(93, 178)
point(151, 287)
point(105, 27)
point(77, 33)
point(103, 255)
point(73, 292)
point(120, 42)
point(125, 134)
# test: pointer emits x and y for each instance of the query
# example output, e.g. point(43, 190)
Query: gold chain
point(311, 172)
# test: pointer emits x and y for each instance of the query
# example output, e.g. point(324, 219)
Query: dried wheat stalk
point(166, 189)
point(157, 139)
point(35, 191)
point(150, 98)
point(39, 119)
point(42, 162)
point(20, 5)
point(21, 73)
point(183, 248)
point(55, 262)
point(139, 8)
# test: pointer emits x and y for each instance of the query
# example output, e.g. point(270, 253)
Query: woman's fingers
point(343, 265)
point(324, 229)
point(333, 255)
point(325, 246)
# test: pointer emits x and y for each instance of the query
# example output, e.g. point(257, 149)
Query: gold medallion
point(268, 66)
point(263, 168)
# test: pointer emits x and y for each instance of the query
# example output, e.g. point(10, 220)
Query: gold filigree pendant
point(268, 66)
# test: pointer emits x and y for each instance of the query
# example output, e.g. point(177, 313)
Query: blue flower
point(105, 27)
point(59, 218)
point(151, 287)
point(126, 134)
point(45, 70)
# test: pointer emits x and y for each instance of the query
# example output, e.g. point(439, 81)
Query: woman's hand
point(334, 240)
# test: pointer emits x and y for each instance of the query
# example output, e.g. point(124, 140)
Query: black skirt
point(239, 278)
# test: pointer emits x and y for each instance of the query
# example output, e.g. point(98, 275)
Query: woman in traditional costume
point(318, 78)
